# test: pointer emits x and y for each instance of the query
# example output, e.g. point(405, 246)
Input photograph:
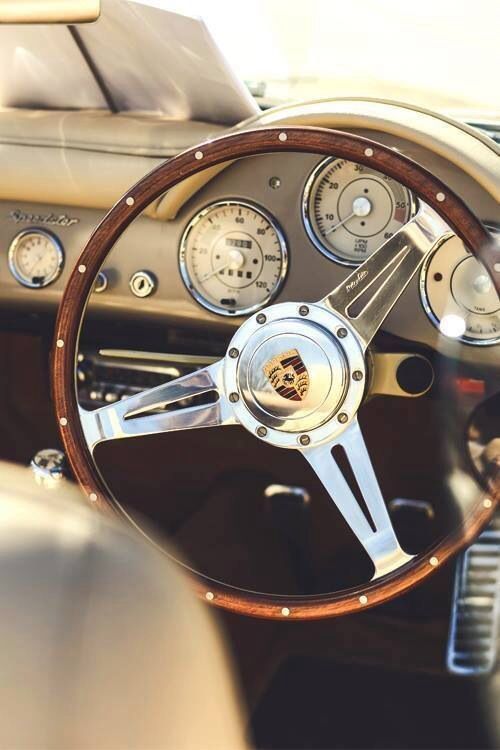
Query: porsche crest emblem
point(288, 375)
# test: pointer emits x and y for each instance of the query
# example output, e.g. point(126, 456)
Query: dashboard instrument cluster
point(234, 255)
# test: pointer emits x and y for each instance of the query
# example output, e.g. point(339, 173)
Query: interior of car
point(250, 323)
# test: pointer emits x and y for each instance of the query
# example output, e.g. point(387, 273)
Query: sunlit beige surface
point(104, 647)
point(49, 11)
point(441, 54)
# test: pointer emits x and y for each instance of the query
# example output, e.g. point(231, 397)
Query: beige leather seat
point(102, 644)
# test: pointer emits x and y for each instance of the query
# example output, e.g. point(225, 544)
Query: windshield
point(439, 54)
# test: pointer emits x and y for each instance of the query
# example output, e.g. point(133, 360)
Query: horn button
point(295, 374)
point(292, 375)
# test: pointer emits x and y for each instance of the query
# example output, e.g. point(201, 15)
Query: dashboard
point(267, 228)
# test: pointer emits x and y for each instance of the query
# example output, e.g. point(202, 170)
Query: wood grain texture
point(73, 305)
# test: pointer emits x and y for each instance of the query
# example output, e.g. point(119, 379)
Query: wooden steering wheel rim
point(74, 301)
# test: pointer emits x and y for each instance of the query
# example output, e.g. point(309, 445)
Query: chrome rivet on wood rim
point(63, 421)
point(82, 269)
point(368, 152)
point(440, 197)
point(198, 155)
point(210, 596)
point(282, 136)
point(93, 497)
point(434, 562)
point(285, 611)
point(130, 201)
point(363, 599)
point(59, 343)
point(487, 502)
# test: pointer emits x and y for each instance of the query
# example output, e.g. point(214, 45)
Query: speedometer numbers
point(233, 258)
point(350, 210)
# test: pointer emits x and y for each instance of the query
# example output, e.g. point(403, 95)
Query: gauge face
point(36, 258)
point(233, 258)
point(350, 210)
point(458, 295)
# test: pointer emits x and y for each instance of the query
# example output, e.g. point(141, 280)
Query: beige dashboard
point(90, 162)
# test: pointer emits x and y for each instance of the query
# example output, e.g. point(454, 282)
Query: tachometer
point(349, 210)
point(36, 258)
point(233, 257)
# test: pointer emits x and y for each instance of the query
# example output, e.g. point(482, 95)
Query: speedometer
point(233, 257)
point(350, 210)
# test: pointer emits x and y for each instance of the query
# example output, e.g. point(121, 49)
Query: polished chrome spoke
point(393, 265)
point(147, 413)
point(378, 537)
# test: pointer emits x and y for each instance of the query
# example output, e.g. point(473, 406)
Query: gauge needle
point(214, 272)
point(235, 261)
point(361, 206)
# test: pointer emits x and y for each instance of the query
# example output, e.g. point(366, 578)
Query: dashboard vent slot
point(474, 627)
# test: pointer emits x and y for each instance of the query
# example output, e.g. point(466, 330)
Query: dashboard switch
point(142, 283)
point(101, 283)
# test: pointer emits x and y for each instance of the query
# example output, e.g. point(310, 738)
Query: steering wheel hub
point(293, 373)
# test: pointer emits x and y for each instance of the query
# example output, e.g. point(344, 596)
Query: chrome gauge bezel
point(310, 230)
point(14, 247)
point(218, 310)
point(424, 298)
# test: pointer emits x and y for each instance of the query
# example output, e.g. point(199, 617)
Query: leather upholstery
point(86, 158)
point(103, 646)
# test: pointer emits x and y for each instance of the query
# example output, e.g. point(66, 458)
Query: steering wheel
point(294, 375)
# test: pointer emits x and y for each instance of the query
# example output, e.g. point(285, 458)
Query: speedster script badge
point(288, 375)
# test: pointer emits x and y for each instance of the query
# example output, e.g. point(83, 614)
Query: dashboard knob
point(143, 283)
point(101, 283)
point(48, 466)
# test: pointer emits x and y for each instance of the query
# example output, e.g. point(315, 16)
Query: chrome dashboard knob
point(48, 466)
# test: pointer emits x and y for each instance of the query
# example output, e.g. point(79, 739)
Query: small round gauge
point(350, 210)
point(233, 257)
point(458, 295)
point(36, 258)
